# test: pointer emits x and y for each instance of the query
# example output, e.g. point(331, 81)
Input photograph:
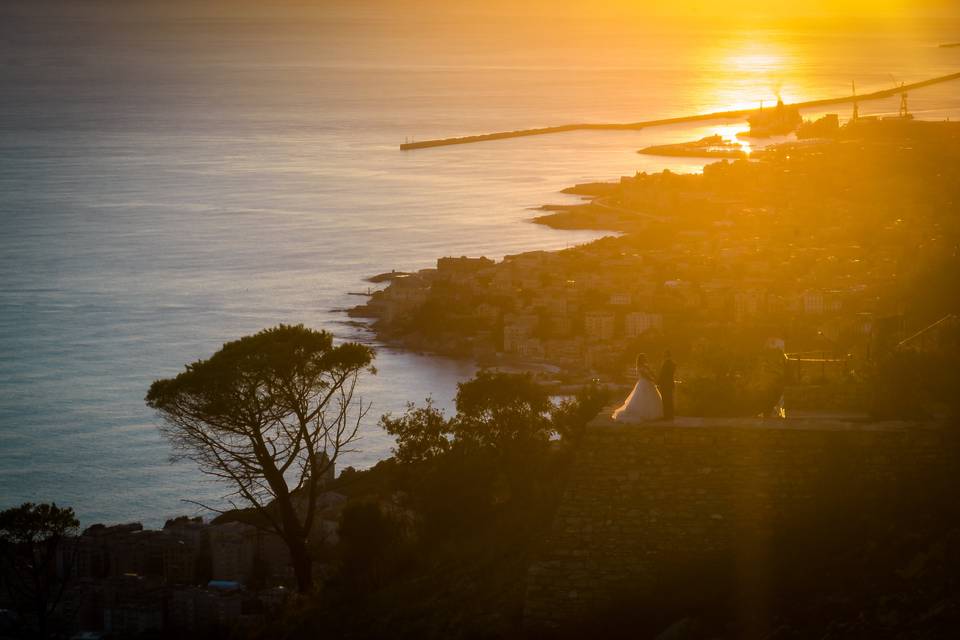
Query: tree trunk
point(291, 527)
point(302, 564)
point(296, 539)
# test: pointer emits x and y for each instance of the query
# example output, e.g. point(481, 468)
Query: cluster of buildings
point(189, 579)
point(800, 251)
point(584, 309)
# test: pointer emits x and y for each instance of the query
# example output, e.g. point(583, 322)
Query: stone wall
point(644, 499)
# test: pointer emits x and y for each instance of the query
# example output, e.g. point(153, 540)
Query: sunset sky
point(686, 9)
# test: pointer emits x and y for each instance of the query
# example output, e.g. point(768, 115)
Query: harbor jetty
point(635, 126)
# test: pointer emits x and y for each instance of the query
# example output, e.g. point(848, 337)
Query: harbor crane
point(856, 105)
point(904, 112)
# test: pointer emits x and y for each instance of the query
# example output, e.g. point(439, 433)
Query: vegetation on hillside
point(436, 541)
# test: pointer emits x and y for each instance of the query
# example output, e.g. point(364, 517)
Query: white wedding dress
point(644, 403)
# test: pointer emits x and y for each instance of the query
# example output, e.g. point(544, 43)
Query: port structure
point(904, 111)
point(856, 103)
point(719, 115)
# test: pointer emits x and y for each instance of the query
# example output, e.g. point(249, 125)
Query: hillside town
point(747, 259)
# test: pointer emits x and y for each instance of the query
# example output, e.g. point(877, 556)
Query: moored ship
point(778, 121)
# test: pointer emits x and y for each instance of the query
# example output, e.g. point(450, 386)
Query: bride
point(644, 402)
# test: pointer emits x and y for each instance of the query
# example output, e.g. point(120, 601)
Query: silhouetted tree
point(492, 451)
point(370, 542)
point(495, 411)
point(259, 414)
point(38, 543)
point(505, 412)
point(572, 415)
point(421, 433)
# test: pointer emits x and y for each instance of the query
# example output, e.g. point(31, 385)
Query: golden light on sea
point(729, 133)
point(757, 65)
point(756, 58)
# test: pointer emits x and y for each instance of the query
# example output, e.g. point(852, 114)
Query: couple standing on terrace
point(652, 396)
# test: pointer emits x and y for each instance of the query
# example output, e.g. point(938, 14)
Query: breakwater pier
point(702, 117)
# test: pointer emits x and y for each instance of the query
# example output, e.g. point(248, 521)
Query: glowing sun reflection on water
point(758, 66)
point(764, 60)
point(729, 133)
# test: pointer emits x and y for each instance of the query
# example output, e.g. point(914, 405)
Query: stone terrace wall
point(643, 498)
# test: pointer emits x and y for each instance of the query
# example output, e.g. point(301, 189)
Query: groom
point(665, 383)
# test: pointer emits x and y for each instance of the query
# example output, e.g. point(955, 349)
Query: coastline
point(559, 314)
point(562, 218)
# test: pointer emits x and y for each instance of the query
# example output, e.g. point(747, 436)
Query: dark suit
point(665, 383)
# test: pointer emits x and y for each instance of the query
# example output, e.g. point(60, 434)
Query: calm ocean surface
point(167, 185)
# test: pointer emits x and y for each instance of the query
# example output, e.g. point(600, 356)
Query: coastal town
point(457, 320)
point(795, 271)
point(809, 280)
